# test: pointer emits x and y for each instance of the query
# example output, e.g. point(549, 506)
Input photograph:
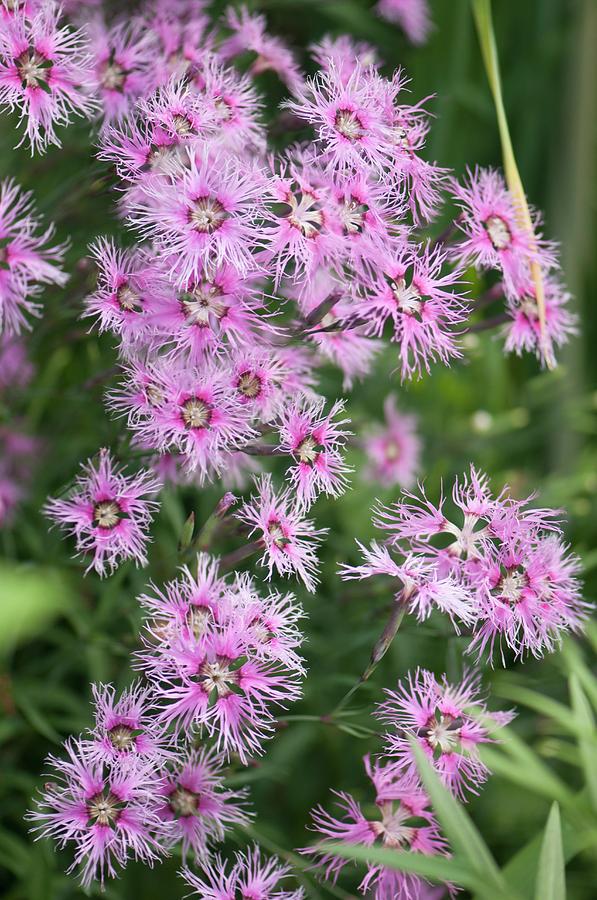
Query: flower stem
point(230, 560)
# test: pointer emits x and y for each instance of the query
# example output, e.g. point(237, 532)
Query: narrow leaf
point(586, 742)
point(551, 877)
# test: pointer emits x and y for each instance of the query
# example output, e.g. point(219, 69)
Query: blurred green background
point(536, 430)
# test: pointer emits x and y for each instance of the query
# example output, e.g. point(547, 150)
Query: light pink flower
point(316, 443)
point(44, 72)
point(198, 806)
point(249, 34)
point(523, 331)
point(249, 876)
point(344, 54)
point(403, 821)
point(234, 105)
point(411, 15)
point(288, 538)
point(449, 722)
point(393, 451)
point(108, 816)
point(108, 512)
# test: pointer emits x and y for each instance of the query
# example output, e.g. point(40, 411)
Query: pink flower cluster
point(495, 565)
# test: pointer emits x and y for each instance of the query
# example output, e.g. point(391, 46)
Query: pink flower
point(411, 15)
point(198, 805)
point(393, 452)
point(108, 816)
point(44, 71)
point(16, 370)
point(344, 54)
point(316, 443)
point(412, 293)
point(234, 105)
point(249, 34)
point(204, 215)
point(449, 722)
point(258, 379)
point(523, 331)
point(26, 262)
point(493, 235)
point(250, 876)
point(348, 118)
point(403, 821)
point(108, 513)
point(18, 454)
point(126, 727)
point(288, 538)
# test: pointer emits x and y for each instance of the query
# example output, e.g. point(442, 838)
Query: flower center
point(113, 76)
point(498, 232)
point(305, 214)
point(217, 676)
point(392, 451)
point(33, 68)
point(155, 395)
point(349, 125)
point(406, 296)
point(103, 809)
point(443, 733)
point(352, 216)
point(106, 514)
point(276, 532)
point(223, 109)
point(183, 802)
point(122, 737)
point(128, 298)
point(510, 586)
point(249, 385)
point(197, 618)
point(182, 125)
point(207, 215)
point(401, 137)
point(196, 413)
point(201, 302)
point(307, 451)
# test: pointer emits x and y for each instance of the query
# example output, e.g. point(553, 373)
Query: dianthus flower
point(204, 215)
point(448, 721)
point(316, 443)
point(344, 54)
point(393, 452)
point(523, 331)
point(249, 876)
point(249, 34)
point(257, 378)
point(494, 237)
point(411, 292)
point(411, 15)
point(108, 815)
point(108, 512)
point(403, 821)
point(233, 103)
point(26, 261)
point(44, 72)
point(198, 806)
point(126, 728)
point(288, 538)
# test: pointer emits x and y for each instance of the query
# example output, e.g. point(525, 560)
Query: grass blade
point(551, 876)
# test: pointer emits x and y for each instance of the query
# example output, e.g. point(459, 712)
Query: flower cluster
point(497, 565)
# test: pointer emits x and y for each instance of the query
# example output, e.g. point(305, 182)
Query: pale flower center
point(103, 809)
point(348, 125)
point(207, 215)
point(201, 302)
point(510, 586)
point(106, 514)
point(183, 802)
point(155, 395)
point(196, 413)
point(182, 125)
point(393, 830)
point(529, 308)
point(128, 298)
point(113, 76)
point(217, 676)
point(352, 216)
point(498, 232)
point(307, 451)
point(442, 733)
point(197, 619)
point(33, 68)
point(122, 737)
point(392, 451)
point(277, 535)
point(407, 297)
point(305, 214)
point(249, 385)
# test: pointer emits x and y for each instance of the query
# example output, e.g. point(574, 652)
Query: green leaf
point(464, 838)
point(586, 742)
point(30, 597)
point(186, 535)
point(439, 869)
point(521, 765)
point(551, 877)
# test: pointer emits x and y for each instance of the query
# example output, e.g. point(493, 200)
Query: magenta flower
point(26, 262)
point(494, 238)
point(250, 876)
point(348, 117)
point(258, 380)
point(449, 722)
point(393, 452)
point(108, 512)
point(108, 816)
point(288, 538)
point(204, 215)
point(344, 54)
point(198, 806)
point(249, 35)
point(402, 821)
point(44, 72)
point(126, 727)
point(217, 685)
point(411, 15)
point(412, 293)
point(316, 443)
point(523, 331)
point(233, 103)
